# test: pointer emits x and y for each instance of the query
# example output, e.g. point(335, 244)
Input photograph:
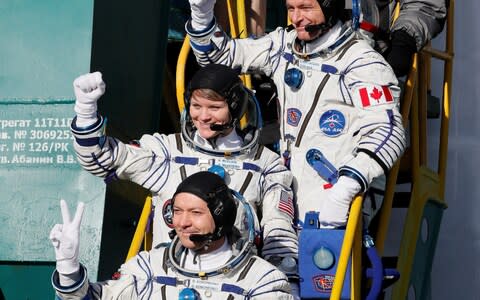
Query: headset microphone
point(220, 127)
point(315, 27)
point(197, 238)
point(290, 28)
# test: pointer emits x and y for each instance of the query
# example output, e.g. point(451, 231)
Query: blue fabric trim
point(111, 177)
point(200, 33)
point(195, 160)
point(202, 48)
point(89, 129)
point(186, 160)
point(72, 288)
point(88, 142)
point(232, 289)
point(252, 167)
point(97, 127)
point(172, 281)
point(329, 69)
point(354, 174)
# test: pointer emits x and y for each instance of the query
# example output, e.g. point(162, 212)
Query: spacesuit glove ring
point(336, 204)
point(65, 239)
point(202, 13)
point(88, 89)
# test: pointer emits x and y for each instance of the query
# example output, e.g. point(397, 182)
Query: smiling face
point(302, 13)
point(192, 216)
point(207, 108)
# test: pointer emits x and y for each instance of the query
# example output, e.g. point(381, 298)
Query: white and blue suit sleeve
point(146, 162)
point(213, 45)
point(133, 282)
point(278, 211)
point(369, 84)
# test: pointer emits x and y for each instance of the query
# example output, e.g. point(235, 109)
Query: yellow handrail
point(242, 28)
point(428, 186)
point(139, 236)
point(356, 286)
point(396, 12)
point(386, 210)
point(347, 245)
point(180, 72)
point(447, 91)
point(243, 33)
point(232, 19)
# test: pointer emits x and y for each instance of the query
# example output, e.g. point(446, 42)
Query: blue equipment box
point(318, 260)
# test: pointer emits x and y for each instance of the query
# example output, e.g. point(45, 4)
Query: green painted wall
point(12, 289)
point(44, 45)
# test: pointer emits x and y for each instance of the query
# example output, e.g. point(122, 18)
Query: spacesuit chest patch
point(323, 283)
point(167, 213)
point(293, 116)
point(332, 123)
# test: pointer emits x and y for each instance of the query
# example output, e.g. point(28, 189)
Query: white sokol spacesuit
point(160, 162)
point(338, 98)
point(172, 271)
point(149, 275)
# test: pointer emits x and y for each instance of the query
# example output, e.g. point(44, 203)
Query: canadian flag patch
point(374, 95)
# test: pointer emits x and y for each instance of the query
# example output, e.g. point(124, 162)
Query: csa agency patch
point(332, 123)
point(293, 116)
point(323, 283)
point(167, 213)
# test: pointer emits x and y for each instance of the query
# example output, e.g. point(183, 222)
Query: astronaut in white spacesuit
point(207, 259)
point(211, 138)
point(340, 123)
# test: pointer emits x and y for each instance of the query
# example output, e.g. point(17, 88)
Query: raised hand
point(88, 89)
point(202, 13)
point(66, 239)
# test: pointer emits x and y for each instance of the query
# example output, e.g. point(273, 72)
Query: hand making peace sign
point(65, 239)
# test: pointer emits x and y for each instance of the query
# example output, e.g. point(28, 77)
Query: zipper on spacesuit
point(312, 109)
point(287, 154)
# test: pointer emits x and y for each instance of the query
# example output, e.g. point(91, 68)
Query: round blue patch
point(167, 213)
point(332, 123)
point(294, 115)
